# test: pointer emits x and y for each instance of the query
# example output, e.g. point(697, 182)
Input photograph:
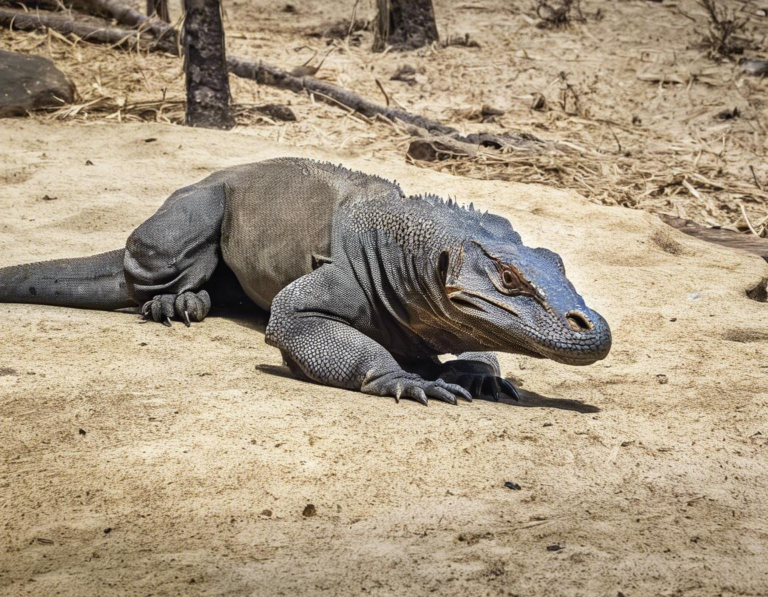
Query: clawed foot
point(187, 306)
point(484, 387)
point(409, 385)
point(479, 379)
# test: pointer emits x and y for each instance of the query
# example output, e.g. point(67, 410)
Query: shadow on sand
point(527, 399)
point(534, 400)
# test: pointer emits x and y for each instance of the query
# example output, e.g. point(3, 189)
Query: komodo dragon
point(366, 286)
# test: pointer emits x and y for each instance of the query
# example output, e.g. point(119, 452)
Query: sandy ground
point(141, 460)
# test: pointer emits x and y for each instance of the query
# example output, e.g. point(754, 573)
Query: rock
point(31, 82)
point(439, 148)
point(490, 113)
point(406, 73)
point(277, 112)
point(757, 67)
point(539, 103)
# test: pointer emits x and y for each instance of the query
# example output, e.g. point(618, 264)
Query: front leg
point(317, 341)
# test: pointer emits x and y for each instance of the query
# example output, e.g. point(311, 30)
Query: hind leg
point(173, 254)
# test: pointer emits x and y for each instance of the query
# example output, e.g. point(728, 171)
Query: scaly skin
point(366, 287)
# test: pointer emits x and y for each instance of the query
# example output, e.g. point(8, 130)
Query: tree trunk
point(404, 24)
point(205, 63)
point(160, 8)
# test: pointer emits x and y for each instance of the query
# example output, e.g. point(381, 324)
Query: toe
point(436, 391)
point(491, 388)
point(417, 394)
point(166, 306)
point(509, 389)
point(156, 308)
point(456, 389)
point(193, 307)
point(205, 303)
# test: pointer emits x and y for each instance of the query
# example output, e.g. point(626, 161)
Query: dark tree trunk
point(405, 24)
point(160, 8)
point(206, 66)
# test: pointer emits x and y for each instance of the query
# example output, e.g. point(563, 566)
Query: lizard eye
point(510, 279)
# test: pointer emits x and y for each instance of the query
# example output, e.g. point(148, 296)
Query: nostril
point(578, 322)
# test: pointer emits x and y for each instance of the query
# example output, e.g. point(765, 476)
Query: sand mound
point(139, 459)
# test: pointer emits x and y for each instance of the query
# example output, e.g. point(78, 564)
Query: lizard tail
point(95, 282)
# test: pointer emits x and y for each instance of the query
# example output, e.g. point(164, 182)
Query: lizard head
point(517, 299)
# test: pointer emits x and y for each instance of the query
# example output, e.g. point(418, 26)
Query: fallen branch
point(418, 126)
point(266, 74)
point(124, 38)
point(123, 14)
point(734, 240)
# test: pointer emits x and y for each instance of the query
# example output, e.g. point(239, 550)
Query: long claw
point(509, 389)
point(464, 394)
point(167, 322)
point(477, 386)
point(494, 389)
point(419, 395)
point(186, 318)
point(456, 390)
point(448, 397)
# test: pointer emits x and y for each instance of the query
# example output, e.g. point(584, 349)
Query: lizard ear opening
point(442, 266)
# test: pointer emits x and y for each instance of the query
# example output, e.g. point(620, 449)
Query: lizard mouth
point(582, 342)
point(466, 304)
point(479, 305)
point(475, 301)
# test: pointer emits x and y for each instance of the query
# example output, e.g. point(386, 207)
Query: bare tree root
point(164, 38)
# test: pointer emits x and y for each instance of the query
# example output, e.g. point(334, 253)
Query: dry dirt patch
point(138, 459)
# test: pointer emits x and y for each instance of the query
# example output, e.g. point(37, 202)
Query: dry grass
point(559, 13)
point(725, 28)
point(659, 179)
